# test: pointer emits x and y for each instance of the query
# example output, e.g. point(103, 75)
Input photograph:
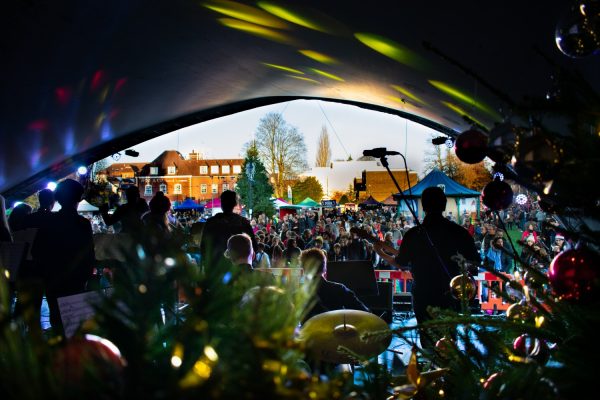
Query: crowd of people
point(63, 258)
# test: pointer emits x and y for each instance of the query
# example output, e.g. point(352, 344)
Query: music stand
point(357, 275)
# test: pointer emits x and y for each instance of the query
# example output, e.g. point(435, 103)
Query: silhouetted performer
point(41, 217)
point(432, 275)
point(128, 214)
point(220, 227)
point(330, 295)
point(65, 249)
point(30, 287)
point(18, 216)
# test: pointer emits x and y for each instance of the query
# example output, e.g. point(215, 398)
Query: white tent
point(83, 207)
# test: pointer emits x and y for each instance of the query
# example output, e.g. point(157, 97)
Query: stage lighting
point(51, 186)
point(131, 153)
point(82, 170)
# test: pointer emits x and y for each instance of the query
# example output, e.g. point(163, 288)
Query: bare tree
point(282, 150)
point(323, 149)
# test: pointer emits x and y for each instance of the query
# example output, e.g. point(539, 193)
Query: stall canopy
point(213, 203)
point(308, 202)
point(370, 203)
point(279, 202)
point(83, 207)
point(187, 204)
point(465, 199)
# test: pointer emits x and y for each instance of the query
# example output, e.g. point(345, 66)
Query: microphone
point(379, 152)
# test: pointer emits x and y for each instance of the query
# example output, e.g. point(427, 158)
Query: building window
point(214, 169)
point(203, 170)
point(177, 188)
point(171, 170)
point(215, 188)
point(153, 170)
point(225, 186)
point(237, 169)
point(225, 169)
point(163, 188)
point(148, 190)
point(203, 188)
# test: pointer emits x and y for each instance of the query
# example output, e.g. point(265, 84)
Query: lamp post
point(250, 170)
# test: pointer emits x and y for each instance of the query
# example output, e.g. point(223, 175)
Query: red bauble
point(530, 347)
point(575, 274)
point(471, 146)
point(497, 195)
point(87, 359)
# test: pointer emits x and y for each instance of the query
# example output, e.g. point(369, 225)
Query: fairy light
point(521, 199)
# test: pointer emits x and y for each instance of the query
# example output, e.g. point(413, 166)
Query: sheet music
point(76, 309)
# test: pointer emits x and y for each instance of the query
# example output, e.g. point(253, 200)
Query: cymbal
point(323, 333)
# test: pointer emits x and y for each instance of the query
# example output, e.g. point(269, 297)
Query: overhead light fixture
point(442, 140)
point(131, 153)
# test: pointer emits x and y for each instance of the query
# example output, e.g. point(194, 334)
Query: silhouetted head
point(46, 199)
point(68, 193)
point(132, 193)
point(16, 220)
point(433, 200)
point(160, 203)
point(239, 249)
point(228, 200)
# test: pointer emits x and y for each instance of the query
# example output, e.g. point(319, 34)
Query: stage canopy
point(83, 80)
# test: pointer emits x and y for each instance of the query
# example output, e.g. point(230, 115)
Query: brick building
point(178, 177)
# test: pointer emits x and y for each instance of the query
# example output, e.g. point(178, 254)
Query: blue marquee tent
point(465, 199)
point(187, 204)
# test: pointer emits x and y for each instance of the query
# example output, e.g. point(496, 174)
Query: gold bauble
point(462, 287)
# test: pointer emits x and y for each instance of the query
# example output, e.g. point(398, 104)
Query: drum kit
point(345, 336)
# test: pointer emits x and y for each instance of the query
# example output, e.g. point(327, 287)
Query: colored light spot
point(97, 79)
point(245, 13)
point(302, 78)
point(63, 95)
point(120, 83)
point(327, 75)
point(320, 57)
point(291, 16)
point(284, 68)
point(459, 95)
point(409, 94)
point(257, 30)
point(462, 112)
point(391, 49)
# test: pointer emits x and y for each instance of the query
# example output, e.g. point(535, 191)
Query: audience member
point(221, 227)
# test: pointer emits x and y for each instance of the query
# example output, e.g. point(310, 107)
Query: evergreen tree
point(256, 194)
point(309, 187)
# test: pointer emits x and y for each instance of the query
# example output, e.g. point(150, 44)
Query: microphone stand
point(418, 224)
